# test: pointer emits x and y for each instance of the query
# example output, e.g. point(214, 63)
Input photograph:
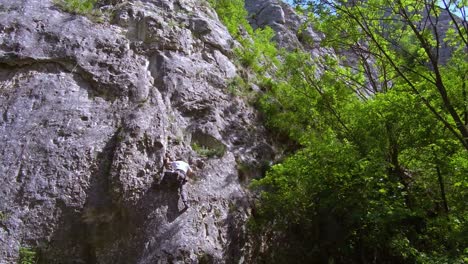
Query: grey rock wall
point(290, 29)
point(88, 111)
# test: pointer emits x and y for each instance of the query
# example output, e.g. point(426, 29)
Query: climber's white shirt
point(180, 165)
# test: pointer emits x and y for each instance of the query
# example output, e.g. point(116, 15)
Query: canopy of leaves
point(379, 171)
point(257, 51)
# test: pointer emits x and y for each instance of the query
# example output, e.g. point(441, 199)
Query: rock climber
point(179, 169)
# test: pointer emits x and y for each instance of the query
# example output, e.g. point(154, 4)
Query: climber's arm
point(190, 172)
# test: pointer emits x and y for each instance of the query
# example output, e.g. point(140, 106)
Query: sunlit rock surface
point(88, 111)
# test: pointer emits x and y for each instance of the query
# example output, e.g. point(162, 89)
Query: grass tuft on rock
point(27, 256)
point(81, 7)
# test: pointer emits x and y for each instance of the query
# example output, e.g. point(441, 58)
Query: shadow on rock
point(85, 235)
point(155, 217)
point(165, 194)
point(237, 232)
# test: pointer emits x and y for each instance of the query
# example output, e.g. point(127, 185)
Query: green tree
point(377, 157)
point(382, 141)
point(405, 40)
point(257, 51)
point(365, 183)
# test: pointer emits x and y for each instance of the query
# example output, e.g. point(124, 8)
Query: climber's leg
point(183, 195)
point(181, 178)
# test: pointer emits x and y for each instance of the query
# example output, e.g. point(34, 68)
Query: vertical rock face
point(277, 15)
point(88, 112)
point(291, 32)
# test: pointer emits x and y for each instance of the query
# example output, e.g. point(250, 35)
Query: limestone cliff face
point(289, 26)
point(88, 112)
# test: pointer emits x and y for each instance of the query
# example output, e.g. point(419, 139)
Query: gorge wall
point(89, 110)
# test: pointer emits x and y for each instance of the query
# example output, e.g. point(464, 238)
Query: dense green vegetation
point(27, 256)
point(379, 171)
point(82, 7)
point(86, 8)
point(256, 52)
point(205, 151)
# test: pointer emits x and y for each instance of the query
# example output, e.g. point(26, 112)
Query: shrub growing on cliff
point(257, 52)
point(27, 256)
point(3, 216)
point(208, 152)
point(81, 7)
point(233, 15)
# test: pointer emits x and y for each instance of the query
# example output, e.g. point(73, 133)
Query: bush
point(206, 151)
point(257, 51)
point(81, 7)
point(3, 216)
point(27, 256)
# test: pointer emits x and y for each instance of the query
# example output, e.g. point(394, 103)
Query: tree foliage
point(381, 173)
point(256, 50)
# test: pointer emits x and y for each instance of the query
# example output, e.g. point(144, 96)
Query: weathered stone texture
point(88, 112)
point(291, 32)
